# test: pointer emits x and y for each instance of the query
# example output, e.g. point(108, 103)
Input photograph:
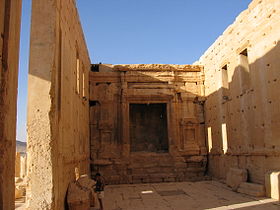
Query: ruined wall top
point(153, 67)
point(247, 24)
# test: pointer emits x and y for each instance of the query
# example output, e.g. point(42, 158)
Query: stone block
point(78, 205)
point(86, 183)
point(169, 179)
point(252, 189)
point(23, 166)
point(196, 159)
point(272, 184)
point(140, 179)
point(78, 198)
point(19, 192)
point(18, 180)
point(17, 165)
point(235, 177)
point(114, 179)
point(198, 169)
point(155, 178)
point(103, 162)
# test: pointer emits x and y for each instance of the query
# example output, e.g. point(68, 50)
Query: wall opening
point(244, 70)
point(148, 128)
point(77, 73)
point(225, 76)
point(83, 83)
point(225, 84)
point(210, 144)
point(94, 68)
point(224, 138)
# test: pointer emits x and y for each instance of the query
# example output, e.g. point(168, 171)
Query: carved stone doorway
point(148, 127)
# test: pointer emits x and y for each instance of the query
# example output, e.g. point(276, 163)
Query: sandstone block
point(19, 192)
point(78, 198)
point(252, 189)
point(85, 182)
point(103, 162)
point(155, 178)
point(114, 179)
point(17, 165)
point(169, 179)
point(18, 179)
point(235, 177)
point(272, 184)
point(140, 179)
point(196, 159)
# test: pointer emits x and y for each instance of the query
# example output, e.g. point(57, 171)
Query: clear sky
point(139, 31)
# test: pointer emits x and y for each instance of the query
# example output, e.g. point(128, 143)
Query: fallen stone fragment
point(78, 198)
point(235, 177)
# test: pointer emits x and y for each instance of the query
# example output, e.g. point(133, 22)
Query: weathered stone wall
point(17, 165)
point(113, 89)
point(242, 89)
point(23, 164)
point(58, 134)
point(10, 16)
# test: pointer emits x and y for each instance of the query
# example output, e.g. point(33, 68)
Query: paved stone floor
point(181, 196)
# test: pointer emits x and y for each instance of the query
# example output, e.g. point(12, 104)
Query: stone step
point(252, 189)
point(137, 171)
point(152, 169)
point(155, 177)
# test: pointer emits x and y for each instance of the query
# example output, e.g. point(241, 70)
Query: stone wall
point(242, 89)
point(58, 134)
point(115, 90)
point(20, 165)
point(10, 16)
point(17, 165)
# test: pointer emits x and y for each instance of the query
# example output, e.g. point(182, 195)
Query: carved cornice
point(158, 67)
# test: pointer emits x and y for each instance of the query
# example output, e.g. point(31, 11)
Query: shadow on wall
point(243, 117)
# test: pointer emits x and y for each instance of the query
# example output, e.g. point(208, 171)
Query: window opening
point(78, 74)
point(244, 70)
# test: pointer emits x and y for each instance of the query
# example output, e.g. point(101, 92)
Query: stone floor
point(181, 196)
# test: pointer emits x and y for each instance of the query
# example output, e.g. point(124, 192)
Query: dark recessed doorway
point(148, 128)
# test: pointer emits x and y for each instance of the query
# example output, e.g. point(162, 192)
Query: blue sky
point(134, 31)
